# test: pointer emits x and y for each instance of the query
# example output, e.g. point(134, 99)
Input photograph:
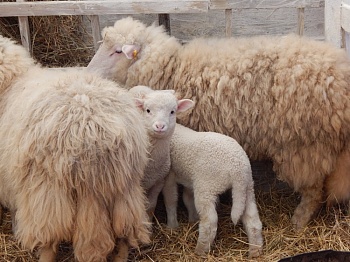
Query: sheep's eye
point(172, 112)
point(148, 111)
point(118, 51)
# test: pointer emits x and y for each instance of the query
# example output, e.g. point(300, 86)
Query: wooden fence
point(337, 23)
point(337, 12)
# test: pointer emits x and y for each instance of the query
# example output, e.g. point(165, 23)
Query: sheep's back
point(267, 93)
point(64, 137)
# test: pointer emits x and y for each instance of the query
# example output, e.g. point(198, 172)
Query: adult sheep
point(72, 154)
point(282, 98)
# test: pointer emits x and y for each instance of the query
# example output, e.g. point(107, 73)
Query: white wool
point(207, 164)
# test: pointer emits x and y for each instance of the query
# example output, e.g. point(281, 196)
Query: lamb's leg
point(252, 225)
point(170, 200)
point(208, 220)
point(122, 251)
point(188, 198)
point(47, 253)
point(152, 196)
point(311, 201)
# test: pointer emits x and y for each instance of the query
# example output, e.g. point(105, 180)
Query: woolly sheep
point(207, 164)
point(282, 98)
point(159, 110)
point(73, 149)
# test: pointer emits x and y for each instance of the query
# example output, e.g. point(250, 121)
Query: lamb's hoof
point(255, 251)
point(201, 250)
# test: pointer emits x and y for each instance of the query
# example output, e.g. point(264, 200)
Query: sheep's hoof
point(173, 225)
point(299, 223)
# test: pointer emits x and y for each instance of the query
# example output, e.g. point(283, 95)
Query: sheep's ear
point(131, 51)
point(139, 103)
point(184, 104)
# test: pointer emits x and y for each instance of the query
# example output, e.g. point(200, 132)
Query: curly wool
point(72, 154)
point(282, 98)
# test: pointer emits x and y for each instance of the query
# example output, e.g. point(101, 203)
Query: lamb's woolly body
point(72, 154)
point(207, 164)
point(282, 98)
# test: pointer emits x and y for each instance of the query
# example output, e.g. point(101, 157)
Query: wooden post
point(96, 30)
point(228, 22)
point(164, 20)
point(332, 22)
point(24, 31)
point(301, 21)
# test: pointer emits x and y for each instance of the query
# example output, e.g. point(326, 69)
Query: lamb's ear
point(170, 91)
point(184, 104)
point(139, 103)
point(131, 51)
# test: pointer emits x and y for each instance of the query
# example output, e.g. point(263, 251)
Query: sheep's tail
point(92, 238)
point(130, 219)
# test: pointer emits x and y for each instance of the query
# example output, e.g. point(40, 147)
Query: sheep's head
point(159, 108)
point(118, 50)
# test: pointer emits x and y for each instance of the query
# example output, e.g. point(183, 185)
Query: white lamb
point(159, 110)
point(207, 164)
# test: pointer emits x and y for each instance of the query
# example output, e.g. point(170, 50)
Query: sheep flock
point(80, 164)
point(283, 98)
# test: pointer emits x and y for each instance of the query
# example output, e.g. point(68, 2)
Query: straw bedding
point(63, 41)
point(276, 202)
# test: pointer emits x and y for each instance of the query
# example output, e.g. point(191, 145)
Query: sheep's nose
point(159, 127)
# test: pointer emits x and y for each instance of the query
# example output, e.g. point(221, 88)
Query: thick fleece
point(73, 149)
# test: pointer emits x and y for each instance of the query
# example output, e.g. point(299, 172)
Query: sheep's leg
point(311, 201)
point(252, 225)
point(122, 251)
point(47, 253)
point(170, 200)
point(188, 198)
point(208, 219)
point(152, 196)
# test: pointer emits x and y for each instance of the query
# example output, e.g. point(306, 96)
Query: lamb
point(73, 149)
point(283, 98)
point(159, 110)
point(208, 164)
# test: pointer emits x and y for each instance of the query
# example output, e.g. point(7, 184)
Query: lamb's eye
point(172, 112)
point(148, 111)
point(118, 51)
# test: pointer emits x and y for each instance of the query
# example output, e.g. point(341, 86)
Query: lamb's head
point(159, 108)
point(119, 47)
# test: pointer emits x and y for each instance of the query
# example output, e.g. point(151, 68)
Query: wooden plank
point(44, 8)
point(264, 4)
point(345, 16)
point(24, 30)
point(301, 21)
point(96, 30)
point(332, 22)
point(164, 20)
point(228, 22)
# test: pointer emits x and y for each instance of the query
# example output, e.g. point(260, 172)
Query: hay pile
point(276, 203)
point(57, 41)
